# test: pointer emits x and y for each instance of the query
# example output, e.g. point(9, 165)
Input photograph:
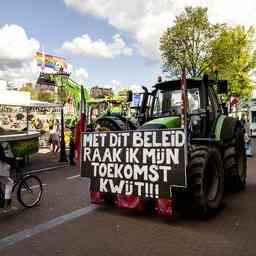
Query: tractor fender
point(131, 125)
point(225, 128)
point(117, 123)
point(109, 123)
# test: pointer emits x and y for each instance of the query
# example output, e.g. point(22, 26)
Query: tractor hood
point(163, 123)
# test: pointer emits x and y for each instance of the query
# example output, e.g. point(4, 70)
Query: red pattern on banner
point(96, 197)
point(130, 202)
point(163, 207)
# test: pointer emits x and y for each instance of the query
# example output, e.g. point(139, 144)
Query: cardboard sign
point(141, 163)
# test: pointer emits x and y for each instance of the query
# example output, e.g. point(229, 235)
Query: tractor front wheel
point(205, 179)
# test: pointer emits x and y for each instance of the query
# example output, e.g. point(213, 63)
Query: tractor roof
point(175, 84)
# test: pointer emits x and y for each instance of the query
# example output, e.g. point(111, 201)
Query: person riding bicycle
point(5, 168)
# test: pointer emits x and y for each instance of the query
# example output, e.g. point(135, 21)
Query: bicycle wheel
point(30, 191)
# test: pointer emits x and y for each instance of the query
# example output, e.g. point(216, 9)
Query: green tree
point(187, 44)
point(234, 57)
point(28, 87)
point(198, 46)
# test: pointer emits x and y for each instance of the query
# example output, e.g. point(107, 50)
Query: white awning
point(23, 99)
point(44, 104)
point(14, 98)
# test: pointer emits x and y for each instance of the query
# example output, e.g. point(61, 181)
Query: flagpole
point(184, 112)
point(83, 110)
point(80, 126)
point(63, 156)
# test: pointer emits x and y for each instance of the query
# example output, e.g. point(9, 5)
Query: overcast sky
point(106, 42)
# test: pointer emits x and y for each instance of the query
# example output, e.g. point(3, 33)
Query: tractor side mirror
point(222, 87)
point(129, 96)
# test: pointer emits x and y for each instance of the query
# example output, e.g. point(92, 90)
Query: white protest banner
point(142, 163)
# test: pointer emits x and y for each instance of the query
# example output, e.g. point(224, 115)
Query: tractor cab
point(163, 106)
point(168, 100)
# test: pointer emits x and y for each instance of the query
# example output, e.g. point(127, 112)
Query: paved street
point(157, 99)
point(58, 227)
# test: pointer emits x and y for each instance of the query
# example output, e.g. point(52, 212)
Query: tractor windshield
point(169, 102)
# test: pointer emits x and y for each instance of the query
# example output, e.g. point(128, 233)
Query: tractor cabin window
point(169, 102)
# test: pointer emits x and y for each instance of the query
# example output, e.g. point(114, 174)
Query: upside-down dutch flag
point(83, 110)
point(80, 126)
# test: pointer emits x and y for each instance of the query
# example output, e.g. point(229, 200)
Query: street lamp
point(61, 78)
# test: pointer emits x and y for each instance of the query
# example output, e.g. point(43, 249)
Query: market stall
point(15, 136)
point(20, 144)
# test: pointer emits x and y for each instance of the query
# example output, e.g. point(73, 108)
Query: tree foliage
point(235, 58)
point(187, 44)
point(194, 44)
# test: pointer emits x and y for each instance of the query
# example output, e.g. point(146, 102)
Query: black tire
point(205, 179)
point(108, 124)
point(235, 163)
point(1, 197)
point(30, 186)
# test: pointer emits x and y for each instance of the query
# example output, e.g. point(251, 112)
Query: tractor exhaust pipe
point(143, 108)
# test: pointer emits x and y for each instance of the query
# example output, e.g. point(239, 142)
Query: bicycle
point(29, 189)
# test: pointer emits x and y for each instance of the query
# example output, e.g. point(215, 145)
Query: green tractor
point(216, 147)
point(116, 118)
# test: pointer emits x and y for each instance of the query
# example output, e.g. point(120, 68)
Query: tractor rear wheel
point(235, 163)
point(205, 179)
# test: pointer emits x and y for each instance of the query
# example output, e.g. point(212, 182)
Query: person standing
point(57, 126)
point(248, 142)
point(54, 140)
